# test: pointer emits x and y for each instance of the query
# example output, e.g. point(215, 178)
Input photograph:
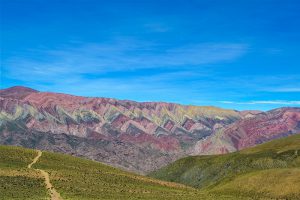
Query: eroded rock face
point(135, 136)
point(251, 131)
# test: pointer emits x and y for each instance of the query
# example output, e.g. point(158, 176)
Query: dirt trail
point(53, 193)
point(35, 159)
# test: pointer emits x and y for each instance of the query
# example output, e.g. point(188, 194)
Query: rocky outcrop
point(135, 136)
point(251, 131)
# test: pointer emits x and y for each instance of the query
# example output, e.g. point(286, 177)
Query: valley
point(99, 148)
point(268, 171)
point(76, 178)
point(137, 137)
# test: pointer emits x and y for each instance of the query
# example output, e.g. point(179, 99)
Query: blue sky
point(233, 54)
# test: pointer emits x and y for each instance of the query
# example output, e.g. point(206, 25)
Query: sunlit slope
point(270, 170)
point(16, 181)
point(76, 178)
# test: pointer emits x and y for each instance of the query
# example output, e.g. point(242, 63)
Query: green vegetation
point(76, 178)
point(270, 170)
point(272, 183)
point(16, 181)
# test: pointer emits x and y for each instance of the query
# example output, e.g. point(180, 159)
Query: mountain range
point(136, 136)
point(267, 171)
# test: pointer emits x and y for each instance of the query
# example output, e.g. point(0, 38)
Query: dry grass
point(273, 183)
point(270, 170)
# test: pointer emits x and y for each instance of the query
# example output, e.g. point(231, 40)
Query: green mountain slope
point(16, 180)
point(270, 170)
point(76, 178)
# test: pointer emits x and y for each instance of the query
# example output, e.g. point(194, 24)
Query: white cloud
point(274, 102)
point(285, 89)
point(121, 55)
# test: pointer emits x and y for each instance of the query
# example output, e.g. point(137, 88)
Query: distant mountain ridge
point(266, 171)
point(135, 136)
point(248, 132)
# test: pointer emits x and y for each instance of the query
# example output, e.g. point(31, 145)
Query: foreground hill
point(138, 137)
point(270, 170)
point(23, 177)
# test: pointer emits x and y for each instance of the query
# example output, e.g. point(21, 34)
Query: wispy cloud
point(285, 89)
point(274, 102)
point(157, 27)
point(266, 83)
point(121, 55)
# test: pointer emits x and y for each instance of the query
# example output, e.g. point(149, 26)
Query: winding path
point(53, 193)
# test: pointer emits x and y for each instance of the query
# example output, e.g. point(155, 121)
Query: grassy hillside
point(79, 179)
point(270, 170)
point(16, 181)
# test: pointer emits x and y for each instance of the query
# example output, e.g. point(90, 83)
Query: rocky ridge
point(135, 136)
